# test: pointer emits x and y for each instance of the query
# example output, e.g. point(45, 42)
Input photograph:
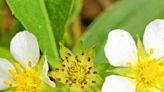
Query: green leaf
point(33, 15)
point(130, 15)
point(59, 12)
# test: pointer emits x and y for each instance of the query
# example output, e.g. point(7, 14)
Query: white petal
point(154, 37)
point(116, 83)
point(120, 48)
point(24, 48)
point(45, 77)
point(5, 65)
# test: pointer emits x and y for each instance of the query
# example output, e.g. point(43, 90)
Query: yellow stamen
point(27, 80)
point(7, 83)
point(151, 51)
point(129, 63)
point(30, 64)
point(18, 67)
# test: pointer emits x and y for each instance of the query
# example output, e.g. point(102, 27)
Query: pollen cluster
point(25, 80)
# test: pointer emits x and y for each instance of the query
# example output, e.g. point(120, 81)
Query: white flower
point(23, 75)
point(147, 64)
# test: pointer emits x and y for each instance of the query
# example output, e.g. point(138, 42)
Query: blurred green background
point(86, 11)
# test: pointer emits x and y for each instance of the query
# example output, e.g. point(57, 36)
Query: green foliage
point(38, 19)
point(131, 15)
point(4, 53)
point(77, 6)
point(59, 12)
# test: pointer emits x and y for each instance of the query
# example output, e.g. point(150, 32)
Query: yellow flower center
point(148, 73)
point(76, 71)
point(25, 80)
